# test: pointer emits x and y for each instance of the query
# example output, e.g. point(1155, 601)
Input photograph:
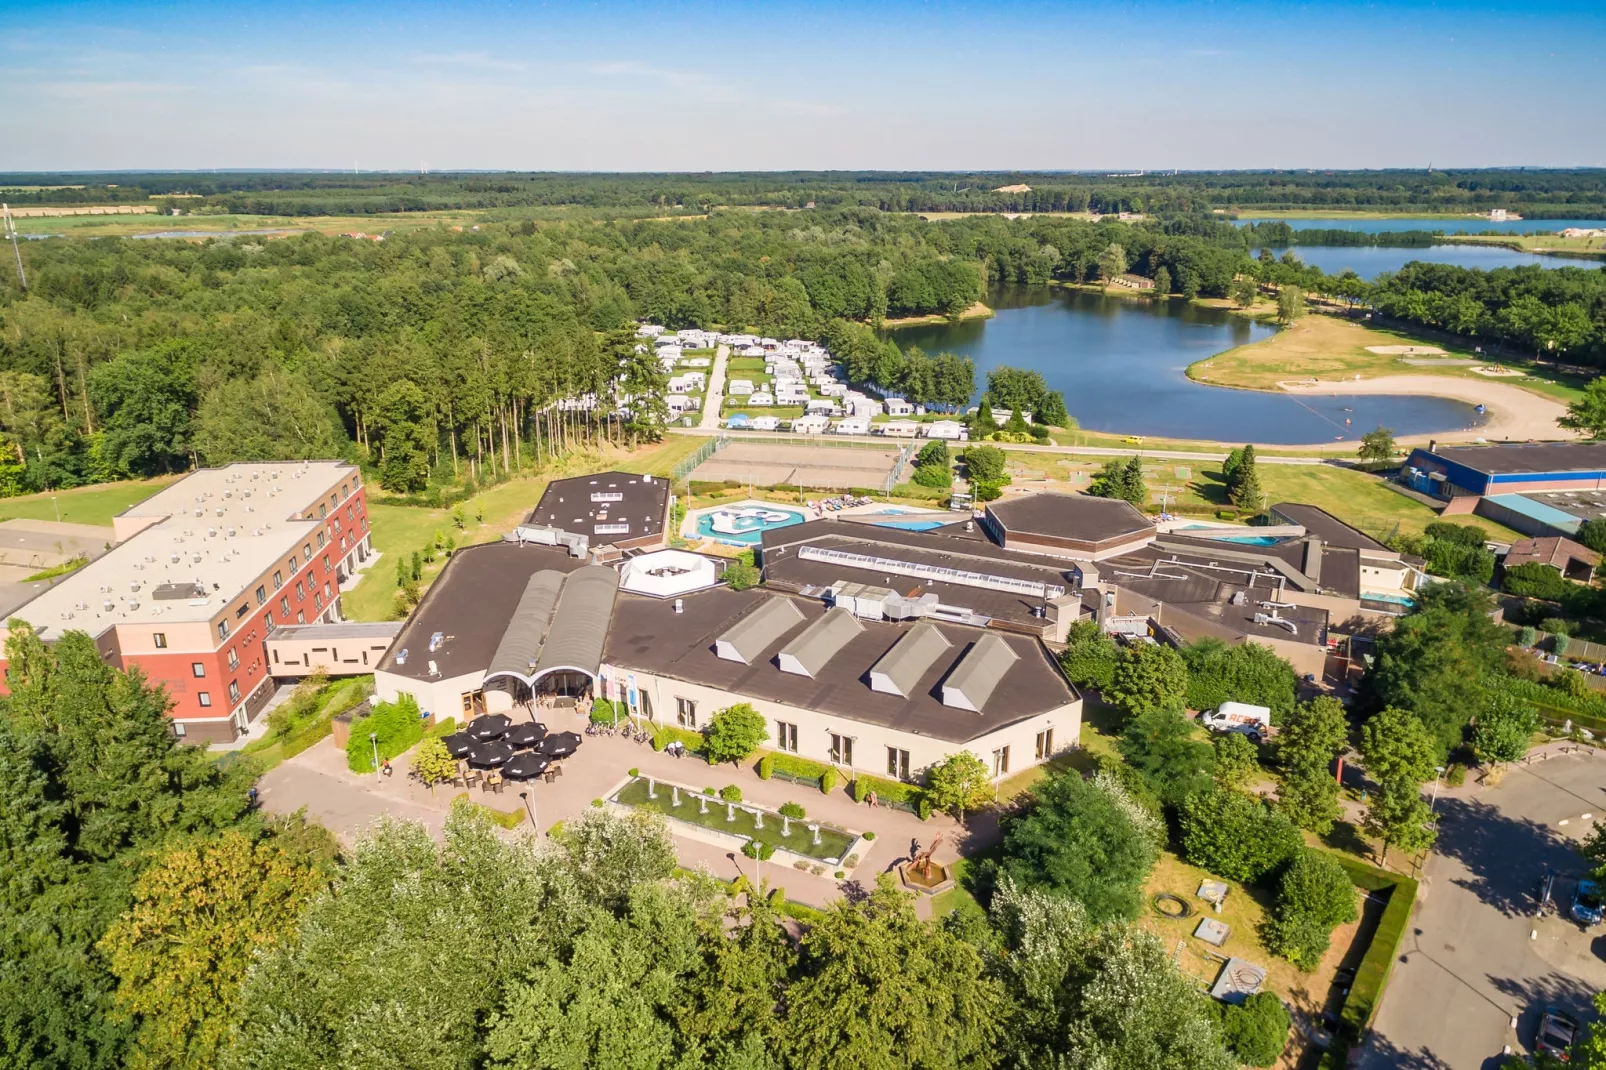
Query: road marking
point(1586, 817)
point(1563, 821)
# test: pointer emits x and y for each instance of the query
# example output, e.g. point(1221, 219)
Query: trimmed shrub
point(664, 735)
point(1236, 836)
point(869, 836)
point(923, 805)
point(731, 793)
point(1314, 897)
point(792, 766)
point(1255, 1031)
point(766, 767)
point(1534, 580)
point(793, 811)
point(757, 849)
point(602, 711)
point(399, 725)
point(827, 781)
point(634, 771)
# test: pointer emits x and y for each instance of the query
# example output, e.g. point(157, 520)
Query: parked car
point(1589, 906)
point(1557, 1031)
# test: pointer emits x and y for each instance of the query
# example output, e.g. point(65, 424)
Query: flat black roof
point(596, 505)
point(1512, 458)
point(1325, 526)
point(649, 636)
point(470, 604)
point(1070, 516)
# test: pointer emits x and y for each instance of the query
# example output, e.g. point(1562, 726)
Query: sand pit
point(1407, 351)
point(777, 464)
point(1514, 413)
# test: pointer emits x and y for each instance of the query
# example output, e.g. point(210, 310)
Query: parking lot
point(1475, 956)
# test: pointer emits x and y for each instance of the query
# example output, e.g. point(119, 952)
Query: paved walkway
point(716, 391)
point(349, 804)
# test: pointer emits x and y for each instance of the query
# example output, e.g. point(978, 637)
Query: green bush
point(793, 811)
point(1535, 580)
point(1456, 775)
point(868, 836)
point(793, 766)
point(1527, 636)
point(1314, 897)
point(602, 711)
point(923, 806)
point(937, 477)
point(442, 729)
point(1236, 836)
point(731, 793)
point(664, 735)
point(886, 791)
point(633, 771)
point(933, 452)
point(398, 726)
point(827, 781)
point(766, 767)
point(1256, 1031)
point(757, 849)
point(1556, 626)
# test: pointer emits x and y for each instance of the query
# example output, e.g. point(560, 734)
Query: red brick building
point(202, 573)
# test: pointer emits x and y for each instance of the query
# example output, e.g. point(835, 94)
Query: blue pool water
point(1396, 599)
point(749, 529)
point(1203, 531)
point(911, 525)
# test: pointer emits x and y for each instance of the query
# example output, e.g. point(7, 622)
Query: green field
point(82, 505)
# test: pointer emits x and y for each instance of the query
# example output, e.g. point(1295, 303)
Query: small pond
point(824, 843)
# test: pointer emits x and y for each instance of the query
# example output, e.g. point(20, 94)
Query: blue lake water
point(1119, 362)
point(1449, 224)
point(1368, 261)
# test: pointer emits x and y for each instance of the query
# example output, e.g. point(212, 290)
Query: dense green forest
point(1536, 192)
point(443, 354)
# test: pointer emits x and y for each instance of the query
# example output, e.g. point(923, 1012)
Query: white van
point(1252, 721)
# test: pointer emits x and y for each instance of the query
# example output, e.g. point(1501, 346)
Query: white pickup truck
point(1252, 721)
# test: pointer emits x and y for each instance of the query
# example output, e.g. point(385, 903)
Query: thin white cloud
point(480, 60)
point(90, 90)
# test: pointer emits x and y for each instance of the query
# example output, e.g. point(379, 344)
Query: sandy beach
point(1514, 413)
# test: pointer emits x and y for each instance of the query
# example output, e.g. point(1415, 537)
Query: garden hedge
point(1371, 977)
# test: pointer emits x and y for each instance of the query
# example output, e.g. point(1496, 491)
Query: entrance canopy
point(559, 625)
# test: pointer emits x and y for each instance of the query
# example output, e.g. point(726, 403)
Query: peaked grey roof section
point(580, 622)
point(971, 683)
point(900, 669)
point(748, 638)
point(808, 654)
point(527, 628)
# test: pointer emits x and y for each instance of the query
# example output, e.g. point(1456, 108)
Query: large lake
point(1368, 260)
point(1451, 224)
point(1119, 362)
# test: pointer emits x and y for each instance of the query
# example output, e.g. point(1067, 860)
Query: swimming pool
point(1204, 531)
point(1390, 597)
point(746, 525)
point(911, 525)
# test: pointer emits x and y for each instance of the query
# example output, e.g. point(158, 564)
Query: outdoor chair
point(493, 782)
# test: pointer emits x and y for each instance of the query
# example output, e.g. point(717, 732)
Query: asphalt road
point(1475, 957)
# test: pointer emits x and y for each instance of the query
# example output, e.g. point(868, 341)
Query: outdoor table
point(526, 766)
point(457, 744)
point(560, 745)
point(526, 735)
point(489, 755)
point(493, 727)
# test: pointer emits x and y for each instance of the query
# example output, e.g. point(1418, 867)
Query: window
point(1000, 761)
point(786, 736)
point(178, 730)
point(159, 640)
point(262, 595)
point(897, 763)
point(291, 564)
point(222, 629)
point(326, 562)
point(320, 539)
point(306, 550)
point(1045, 743)
point(278, 580)
point(841, 749)
point(204, 697)
point(323, 510)
point(350, 513)
point(245, 607)
point(686, 712)
point(301, 591)
point(343, 490)
point(234, 691)
point(198, 668)
point(301, 617)
point(284, 605)
point(234, 659)
point(328, 592)
point(317, 600)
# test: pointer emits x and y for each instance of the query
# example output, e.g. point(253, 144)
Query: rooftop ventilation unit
point(433, 670)
point(436, 641)
point(401, 659)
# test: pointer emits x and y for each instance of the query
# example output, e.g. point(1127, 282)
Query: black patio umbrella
point(493, 727)
point(526, 734)
point(489, 755)
point(560, 745)
point(457, 744)
point(526, 766)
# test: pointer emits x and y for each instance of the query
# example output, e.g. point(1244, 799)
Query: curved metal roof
point(561, 623)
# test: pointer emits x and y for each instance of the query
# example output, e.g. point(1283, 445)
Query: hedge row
point(664, 735)
point(399, 725)
point(1366, 991)
point(891, 791)
point(797, 769)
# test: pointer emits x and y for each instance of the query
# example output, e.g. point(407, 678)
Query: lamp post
point(530, 808)
point(57, 506)
point(373, 739)
point(1438, 774)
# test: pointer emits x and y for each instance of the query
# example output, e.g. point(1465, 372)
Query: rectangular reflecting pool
point(738, 819)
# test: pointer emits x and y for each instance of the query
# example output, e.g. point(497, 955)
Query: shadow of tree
point(1536, 994)
point(1379, 1054)
point(1505, 857)
point(1344, 836)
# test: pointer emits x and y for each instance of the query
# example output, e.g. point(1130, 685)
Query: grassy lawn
point(337, 697)
point(404, 528)
point(1196, 487)
point(83, 505)
point(1325, 347)
point(1530, 243)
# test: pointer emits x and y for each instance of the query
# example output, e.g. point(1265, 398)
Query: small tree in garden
point(433, 763)
point(1377, 445)
point(1255, 1031)
point(1314, 897)
point(1236, 761)
point(735, 732)
point(1398, 816)
point(1504, 731)
point(959, 783)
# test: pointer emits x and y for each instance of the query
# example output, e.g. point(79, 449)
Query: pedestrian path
point(716, 391)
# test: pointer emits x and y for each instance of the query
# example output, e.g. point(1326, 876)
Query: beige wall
point(194, 637)
point(351, 656)
point(443, 698)
point(871, 741)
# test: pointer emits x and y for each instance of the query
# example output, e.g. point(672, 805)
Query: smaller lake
point(1450, 224)
point(1120, 363)
point(1368, 260)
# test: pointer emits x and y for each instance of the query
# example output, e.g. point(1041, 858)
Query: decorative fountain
point(923, 873)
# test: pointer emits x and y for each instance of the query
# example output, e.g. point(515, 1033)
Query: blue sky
point(766, 86)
